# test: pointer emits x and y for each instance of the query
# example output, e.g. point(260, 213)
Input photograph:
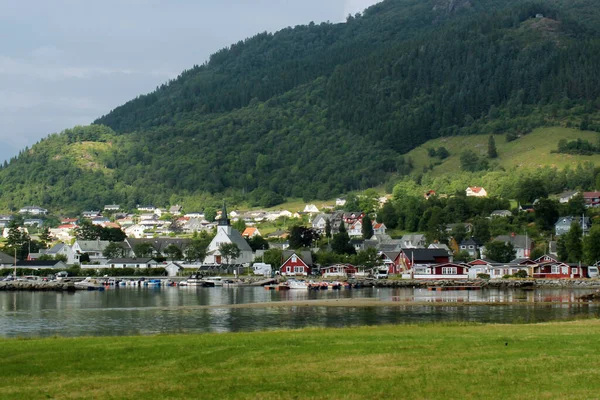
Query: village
point(153, 238)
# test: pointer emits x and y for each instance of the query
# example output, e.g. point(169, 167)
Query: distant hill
point(322, 109)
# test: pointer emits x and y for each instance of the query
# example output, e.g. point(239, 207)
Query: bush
point(483, 276)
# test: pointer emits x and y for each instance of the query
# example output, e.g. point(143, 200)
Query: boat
point(194, 280)
point(212, 281)
point(296, 284)
point(89, 284)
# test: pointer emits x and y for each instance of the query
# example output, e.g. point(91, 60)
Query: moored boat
point(89, 284)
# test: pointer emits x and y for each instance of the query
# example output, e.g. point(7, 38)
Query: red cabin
point(294, 266)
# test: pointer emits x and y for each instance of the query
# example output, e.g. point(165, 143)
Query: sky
point(67, 62)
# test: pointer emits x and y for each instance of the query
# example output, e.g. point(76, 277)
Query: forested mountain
point(321, 109)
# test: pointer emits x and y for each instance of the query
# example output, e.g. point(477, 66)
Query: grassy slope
point(529, 151)
point(557, 360)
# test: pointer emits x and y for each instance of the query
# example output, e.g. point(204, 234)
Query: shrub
point(483, 276)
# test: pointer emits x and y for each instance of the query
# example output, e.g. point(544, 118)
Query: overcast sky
point(67, 62)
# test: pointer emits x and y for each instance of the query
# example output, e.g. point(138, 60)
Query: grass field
point(530, 151)
point(540, 361)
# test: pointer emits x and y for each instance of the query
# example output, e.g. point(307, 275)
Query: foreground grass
point(555, 360)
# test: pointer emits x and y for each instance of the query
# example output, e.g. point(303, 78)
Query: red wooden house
point(558, 270)
point(408, 257)
point(294, 266)
point(441, 271)
point(343, 270)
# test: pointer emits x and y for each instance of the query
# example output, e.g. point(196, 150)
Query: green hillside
point(534, 150)
point(319, 110)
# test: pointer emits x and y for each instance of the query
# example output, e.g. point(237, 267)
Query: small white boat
point(213, 281)
point(194, 280)
point(296, 284)
point(89, 284)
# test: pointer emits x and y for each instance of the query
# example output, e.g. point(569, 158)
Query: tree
point(591, 246)
point(143, 250)
point(113, 250)
point(302, 237)
point(369, 258)
point(258, 243)
point(367, 227)
point(88, 231)
point(500, 251)
point(18, 241)
point(492, 152)
point(388, 215)
point(573, 243)
point(230, 251)
point(481, 230)
point(469, 161)
point(196, 250)
point(112, 234)
point(459, 232)
point(273, 257)
point(210, 213)
point(173, 252)
point(45, 237)
point(546, 213)
point(327, 228)
point(341, 242)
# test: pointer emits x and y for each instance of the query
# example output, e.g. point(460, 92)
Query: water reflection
point(130, 311)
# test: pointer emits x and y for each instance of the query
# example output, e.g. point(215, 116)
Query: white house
point(226, 234)
point(33, 210)
point(132, 263)
point(311, 209)
point(135, 231)
point(173, 269)
point(476, 191)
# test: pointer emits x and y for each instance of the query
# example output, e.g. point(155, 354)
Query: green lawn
point(530, 151)
point(449, 361)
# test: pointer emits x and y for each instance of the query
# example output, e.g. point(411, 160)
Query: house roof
point(424, 255)
point(569, 220)
point(55, 249)
point(518, 241)
point(6, 259)
point(305, 255)
point(470, 241)
point(159, 244)
point(249, 231)
point(591, 195)
point(475, 189)
point(93, 245)
point(39, 263)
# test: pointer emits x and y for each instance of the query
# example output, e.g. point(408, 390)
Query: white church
point(226, 234)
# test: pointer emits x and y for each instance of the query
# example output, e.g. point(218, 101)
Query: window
point(574, 271)
point(555, 269)
point(288, 269)
point(298, 270)
point(449, 271)
point(471, 246)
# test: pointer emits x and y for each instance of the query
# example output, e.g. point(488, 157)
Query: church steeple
point(224, 221)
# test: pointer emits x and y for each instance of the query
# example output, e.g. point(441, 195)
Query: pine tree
point(327, 228)
point(492, 152)
point(367, 227)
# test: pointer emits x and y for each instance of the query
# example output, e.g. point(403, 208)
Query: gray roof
point(55, 249)
point(518, 241)
point(159, 244)
point(93, 245)
point(424, 255)
point(305, 255)
point(6, 259)
point(236, 237)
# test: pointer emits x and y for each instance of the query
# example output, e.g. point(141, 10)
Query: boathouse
point(294, 266)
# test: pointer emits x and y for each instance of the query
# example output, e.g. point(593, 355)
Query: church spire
point(224, 221)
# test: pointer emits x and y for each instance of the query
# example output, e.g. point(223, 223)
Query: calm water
point(131, 311)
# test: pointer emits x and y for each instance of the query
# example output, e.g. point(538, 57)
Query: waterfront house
point(438, 271)
point(93, 248)
point(338, 270)
point(410, 257)
point(61, 249)
point(173, 269)
point(294, 266)
point(558, 270)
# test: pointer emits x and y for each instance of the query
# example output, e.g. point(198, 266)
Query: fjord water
point(133, 311)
